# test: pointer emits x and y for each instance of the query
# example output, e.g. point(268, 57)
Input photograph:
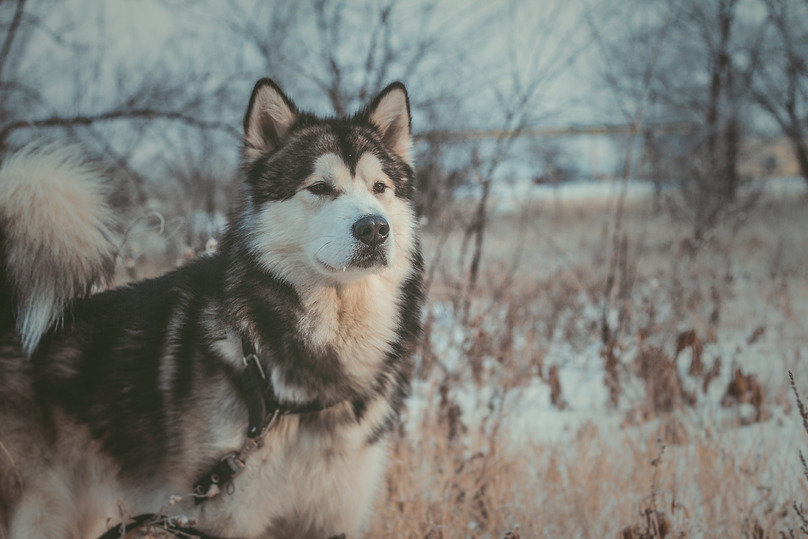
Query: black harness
point(263, 411)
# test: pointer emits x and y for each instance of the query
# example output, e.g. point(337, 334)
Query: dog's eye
point(379, 187)
point(320, 188)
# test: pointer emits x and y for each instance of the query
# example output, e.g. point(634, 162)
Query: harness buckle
point(272, 420)
point(218, 478)
point(234, 463)
point(252, 357)
point(258, 441)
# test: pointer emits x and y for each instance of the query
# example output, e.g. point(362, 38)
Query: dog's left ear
point(389, 112)
point(269, 117)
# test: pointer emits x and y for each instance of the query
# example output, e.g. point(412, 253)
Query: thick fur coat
point(113, 404)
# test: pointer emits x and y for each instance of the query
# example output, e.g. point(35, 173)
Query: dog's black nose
point(371, 230)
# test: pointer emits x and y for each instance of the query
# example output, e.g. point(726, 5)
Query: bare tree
point(780, 86)
point(346, 50)
point(632, 82)
point(709, 183)
point(550, 45)
point(700, 81)
point(59, 94)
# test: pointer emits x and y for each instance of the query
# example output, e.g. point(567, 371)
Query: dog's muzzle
point(368, 257)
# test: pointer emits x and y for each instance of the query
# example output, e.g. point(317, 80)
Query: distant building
point(768, 156)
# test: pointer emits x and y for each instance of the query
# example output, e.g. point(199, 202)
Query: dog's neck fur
point(347, 329)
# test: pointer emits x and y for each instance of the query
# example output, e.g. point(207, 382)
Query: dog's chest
point(313, 477)
point(316, 475)
point(357, 322)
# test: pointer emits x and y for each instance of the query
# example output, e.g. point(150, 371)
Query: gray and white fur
point(113, 404)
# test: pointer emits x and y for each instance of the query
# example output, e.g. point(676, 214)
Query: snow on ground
point(507, 197)
point(532, 421)
point(531, 414)
point(751, 301)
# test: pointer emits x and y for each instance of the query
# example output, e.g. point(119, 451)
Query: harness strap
point(261, 399)
point(254, 384)
point(263, 410)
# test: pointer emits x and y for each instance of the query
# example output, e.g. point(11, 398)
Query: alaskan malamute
point(250, 393)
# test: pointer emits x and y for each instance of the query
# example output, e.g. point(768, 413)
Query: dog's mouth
point(362, 260)
point(369, 257)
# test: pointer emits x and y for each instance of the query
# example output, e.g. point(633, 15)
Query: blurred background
point(613, 202)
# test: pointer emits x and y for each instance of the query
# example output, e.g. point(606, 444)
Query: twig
point(112, 115)
point(800, 405)
point(12, 33)
point(801, 511)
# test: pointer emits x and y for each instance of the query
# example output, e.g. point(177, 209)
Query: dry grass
point(697, 335)
point(592, 486)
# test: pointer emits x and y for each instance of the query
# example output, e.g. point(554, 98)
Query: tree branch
point(112, 115)
point(12, 32)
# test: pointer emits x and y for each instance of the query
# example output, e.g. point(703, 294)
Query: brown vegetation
point(456, 475)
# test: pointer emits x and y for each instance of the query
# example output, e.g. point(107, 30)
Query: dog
point(249, 393)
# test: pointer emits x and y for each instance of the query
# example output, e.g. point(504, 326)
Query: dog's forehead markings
point(331, 166)
point(368, 167)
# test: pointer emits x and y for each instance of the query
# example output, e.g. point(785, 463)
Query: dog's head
point(328, 198)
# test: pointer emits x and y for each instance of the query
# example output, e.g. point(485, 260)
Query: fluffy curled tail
point(56, 237)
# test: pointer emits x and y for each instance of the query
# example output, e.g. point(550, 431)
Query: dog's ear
point(389, 112)
point(268, 119)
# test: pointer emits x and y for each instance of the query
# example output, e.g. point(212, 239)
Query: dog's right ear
point(268, 119)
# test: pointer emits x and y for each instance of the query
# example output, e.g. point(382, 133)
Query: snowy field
point(510, 197)
point(525, 420)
